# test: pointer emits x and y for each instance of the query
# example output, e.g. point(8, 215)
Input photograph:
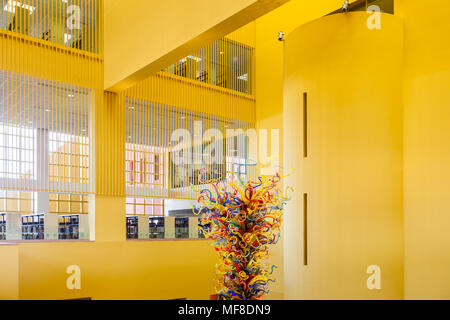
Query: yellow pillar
point(346, 212)
point(107, 205)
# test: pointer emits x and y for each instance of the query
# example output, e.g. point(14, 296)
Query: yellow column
point(346, 212)
point(107, 206)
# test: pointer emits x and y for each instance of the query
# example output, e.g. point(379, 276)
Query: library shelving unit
point(42, 226)
point(2, 226)
point(10, 226)
point(138, 227)
point(182, 227)
point(157, 228)
point(73, 227)
point(132, 227)
point(149, 227)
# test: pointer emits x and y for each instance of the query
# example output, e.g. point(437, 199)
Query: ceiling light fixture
point(12, 4)
point(243, 77)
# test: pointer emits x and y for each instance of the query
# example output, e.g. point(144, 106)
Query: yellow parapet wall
point(113, 270)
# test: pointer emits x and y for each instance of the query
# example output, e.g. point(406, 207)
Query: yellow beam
point(142, 37)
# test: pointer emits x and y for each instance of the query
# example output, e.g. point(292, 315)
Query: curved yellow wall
point(353, 174)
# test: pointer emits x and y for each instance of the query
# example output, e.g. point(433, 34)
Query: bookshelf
point(182, 227)
point(73, 227)
point(150, 227)
point(2, 226)
point(133, 227)
point(33, 227)
point(138, 227)
point(43, 226)
point(157, 227)
point(10, 226)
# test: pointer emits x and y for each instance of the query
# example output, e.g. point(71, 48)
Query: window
point(69, 204)
point(236, 159)
point(144, 166)
point(44, 135)
point(17, 202)
point(16, 152)
point(148, 206)
point(69, 158)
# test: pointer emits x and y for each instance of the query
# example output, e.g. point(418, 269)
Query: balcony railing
point(225, 63)
point(72, 23)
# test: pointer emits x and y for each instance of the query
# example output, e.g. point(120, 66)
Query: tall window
point(16, 152)
point(236, 157)
point(144, 166)
point(69, 158)
point(44, 135)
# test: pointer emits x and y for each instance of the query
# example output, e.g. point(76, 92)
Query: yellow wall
point(142, 37)
point(426, 152)
point(353, 172)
